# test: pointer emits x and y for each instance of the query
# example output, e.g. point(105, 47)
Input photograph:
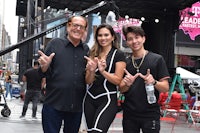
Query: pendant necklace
point(137, 67)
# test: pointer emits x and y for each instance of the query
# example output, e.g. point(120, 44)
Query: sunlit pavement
point(13, 124)
point(181, 126)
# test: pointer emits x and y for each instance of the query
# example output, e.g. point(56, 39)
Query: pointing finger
point(148, 72)
point(142, 76)
point(40, 53)
point(51, 55)
point(145, 76)
point(126, 72)
point(96, 59)
point(87, 58)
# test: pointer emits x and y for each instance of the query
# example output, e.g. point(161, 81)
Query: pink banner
point(122, 21)
point(190, 20)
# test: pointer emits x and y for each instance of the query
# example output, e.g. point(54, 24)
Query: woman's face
point(104, 37)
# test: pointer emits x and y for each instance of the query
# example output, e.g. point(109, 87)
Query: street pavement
point(13, 124)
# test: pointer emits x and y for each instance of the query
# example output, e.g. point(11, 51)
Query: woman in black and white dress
point(104, 71)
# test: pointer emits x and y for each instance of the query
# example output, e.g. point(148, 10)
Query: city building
point(160, 22)
point(5, 60)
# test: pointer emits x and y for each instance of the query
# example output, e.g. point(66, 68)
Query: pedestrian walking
point(8, 84)
point(35, 82)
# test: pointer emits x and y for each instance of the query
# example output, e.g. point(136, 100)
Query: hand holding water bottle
point(149, 85)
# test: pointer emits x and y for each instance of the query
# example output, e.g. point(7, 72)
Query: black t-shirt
point(136, 105)
point(34, 79)
point(98, 85)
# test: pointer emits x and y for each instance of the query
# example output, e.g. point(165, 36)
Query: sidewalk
point(181, 126)
point(16, 105)
point(13, 124)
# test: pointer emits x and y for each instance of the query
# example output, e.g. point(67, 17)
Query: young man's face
point(135, 41)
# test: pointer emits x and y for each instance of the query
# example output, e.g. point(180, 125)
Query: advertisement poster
point(190, 20)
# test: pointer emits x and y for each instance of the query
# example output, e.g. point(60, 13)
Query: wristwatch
point(155, 82)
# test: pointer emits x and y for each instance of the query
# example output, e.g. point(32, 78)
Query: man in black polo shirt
point(35, 82)
point(63, 64)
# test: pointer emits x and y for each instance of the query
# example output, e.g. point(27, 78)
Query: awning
point(185, 74)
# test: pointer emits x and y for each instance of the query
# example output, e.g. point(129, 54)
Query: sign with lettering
point(125, 22)
point(190, 20)
point(122, 22)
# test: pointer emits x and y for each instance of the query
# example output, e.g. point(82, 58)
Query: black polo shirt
point(65, 78)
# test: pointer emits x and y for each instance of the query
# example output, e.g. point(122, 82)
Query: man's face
point(134, 41)
point(76, 28)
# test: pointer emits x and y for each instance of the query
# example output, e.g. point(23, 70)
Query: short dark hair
point(36, 63)
point(70, 19)
point(138, 30)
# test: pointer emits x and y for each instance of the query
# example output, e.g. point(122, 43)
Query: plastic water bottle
point(150, 93)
